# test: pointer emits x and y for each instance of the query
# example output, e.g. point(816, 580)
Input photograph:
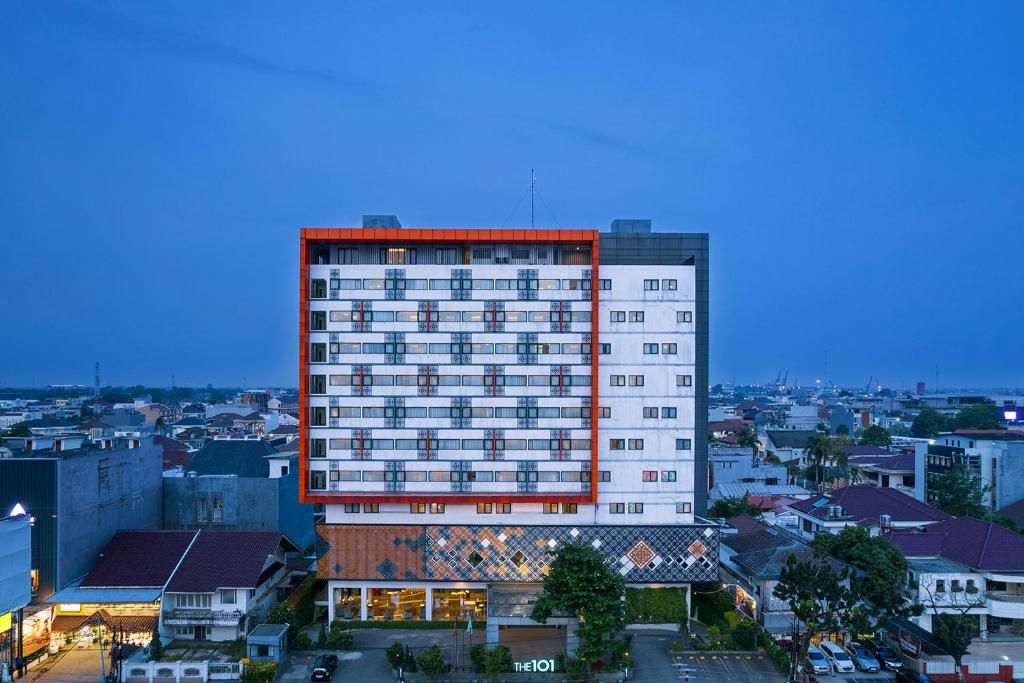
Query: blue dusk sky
point(859, 167)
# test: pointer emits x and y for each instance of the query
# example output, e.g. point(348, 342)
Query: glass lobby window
point(348, 603)
point(460, 604)
point(402, 604)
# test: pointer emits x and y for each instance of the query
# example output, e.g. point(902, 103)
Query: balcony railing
point(202, 617)
point(1005, 596)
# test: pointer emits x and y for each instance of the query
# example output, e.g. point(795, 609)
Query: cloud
point(180, 43)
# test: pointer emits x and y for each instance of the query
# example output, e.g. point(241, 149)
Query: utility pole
point(103, 663)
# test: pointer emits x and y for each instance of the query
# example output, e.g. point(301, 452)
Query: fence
point(181, 672)
point(943, 670)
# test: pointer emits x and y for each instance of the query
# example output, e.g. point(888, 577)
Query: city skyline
point(856, 169)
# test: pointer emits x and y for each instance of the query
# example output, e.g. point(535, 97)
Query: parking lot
point(712, 667)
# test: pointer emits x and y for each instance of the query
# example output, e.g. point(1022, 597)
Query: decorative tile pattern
point(641, 554)
point(462, 284)
point(394, 284)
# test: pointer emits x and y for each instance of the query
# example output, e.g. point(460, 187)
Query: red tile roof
point(745, 524)
point(226, 559)
point(138, 559)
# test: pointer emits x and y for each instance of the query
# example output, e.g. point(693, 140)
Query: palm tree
point(820, 449)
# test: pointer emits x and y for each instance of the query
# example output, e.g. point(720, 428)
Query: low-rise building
point(892, 470)
point(15, 586)
point(995, 456)
point(789, 445)
point(863, 505)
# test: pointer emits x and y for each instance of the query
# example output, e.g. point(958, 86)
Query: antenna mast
point(96, 380)
point(533, 188)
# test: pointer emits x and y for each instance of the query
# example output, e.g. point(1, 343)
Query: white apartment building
point(474, 399)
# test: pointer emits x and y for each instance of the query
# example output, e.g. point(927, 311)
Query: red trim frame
point(431, 235)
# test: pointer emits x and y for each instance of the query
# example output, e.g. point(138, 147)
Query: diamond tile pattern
point(643, 554)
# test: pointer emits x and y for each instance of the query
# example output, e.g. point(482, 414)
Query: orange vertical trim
point(594, 364)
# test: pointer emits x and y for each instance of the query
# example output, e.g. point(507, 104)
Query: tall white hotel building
point(474, 398)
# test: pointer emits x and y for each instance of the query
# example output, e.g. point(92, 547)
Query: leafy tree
point(747, 438)
point(843, 430)
point(398, 655)
point(321, 638)
point(953, 625)
point(431, 662)
point(581, 584)
point(156, 648)
point(959, 492)
point(876, 435)
point(820, 450)
point(730, 507)
point(498, 661)
point(883, 567)
point(817, 593)
point(978, 417)
point(282, 613)
point(929, 422)
point(19, 429)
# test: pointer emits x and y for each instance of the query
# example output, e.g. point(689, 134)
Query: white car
point(840, 661)
point(817, 662)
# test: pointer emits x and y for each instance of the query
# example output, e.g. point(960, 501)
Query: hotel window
point(616, 444)
point(670, 475)
point(617, 508)
point(418, 508)
point(636, 508)
point(650, 285)
point(604, 475)
point(636, 316)
point(398, 256)
point(447, 256)
point(318, 448)
point(650, 349)
point(351, 507)
point(317, 384)
point(371, 507)
point(683, 444)
point(668, 413)
point(670, 349)
point(318, 320)
point(317, 479)
point(618, 316)
point(484, 508)
point(650, 475)
point(683, 508)
point(569, 508)
point(636, 444)
point(636, 380)
point(684, 316)
point(437, 508)
point(617, 380)
point(670, 285)
point(503, 508)
point(684, 380)
point(604, 349)
point(348, 255)
point(318, 289)
point(550, 508)
point(650, 412)
point(604, 284)
point(604, 412)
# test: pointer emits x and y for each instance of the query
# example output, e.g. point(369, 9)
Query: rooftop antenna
point(533, 191)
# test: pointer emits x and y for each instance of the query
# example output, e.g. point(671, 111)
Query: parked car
point(884, 654)
point(817, 662)
point(840, 661)
point(862, 658)
point(912, 677)
point(323, 668)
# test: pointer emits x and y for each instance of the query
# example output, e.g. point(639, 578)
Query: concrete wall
point(101, 493)
point(15, 563)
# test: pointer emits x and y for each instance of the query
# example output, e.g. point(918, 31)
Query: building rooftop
point(790, 438)
point(967, 541)
point(138, 559)
point(241, 457)
point(226, 559)
point(853, 451)
point(863, 504)
point(744, 489)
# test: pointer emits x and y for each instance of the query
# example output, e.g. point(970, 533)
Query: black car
point(323, 668)
point(912, 677)
point(886, 656)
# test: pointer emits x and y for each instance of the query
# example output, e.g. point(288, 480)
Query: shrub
point(321, 637)
point(302, 642)
point(746, 634)
point(396, 654)
point(478, 658)
point(156, 648)
point(340, 638)
point(282, 613)
point(570, 665)
point(259, 672)
point(431, 661)
point(655, 605)
point(498, 661)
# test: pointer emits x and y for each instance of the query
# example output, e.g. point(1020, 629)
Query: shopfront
point(386, 602)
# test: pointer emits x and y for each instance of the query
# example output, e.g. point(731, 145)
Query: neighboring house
point(225, 584)
point(964, 565)
point(194, 437)
point(123, 588)
point(239, 484)
point(187, 423)
point(725, 467)
point(789, 445)
point(154, 411)
point(862, 505)
point(741, 490)
point(753, 558)
point(995, 456)
point(895, 471)
point(80, 496)
point(802, 417)
point(727, 431)
point(175, 453)
point(50, 426)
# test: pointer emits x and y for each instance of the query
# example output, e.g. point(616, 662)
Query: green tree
point(959, 492)
point(19, 430)
point(581, 584)
point(953, 625)
point(282, 613)
point(929, 422)
point(321, 637)
point(843, 430)
point(747, 438)
point(730, 507)
point(876, 435)
point(498, 661)
point(818, 594)
point(156, 648)
point(883, 570)
point(820, 451)
point(431, 662)
point(978, 417)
